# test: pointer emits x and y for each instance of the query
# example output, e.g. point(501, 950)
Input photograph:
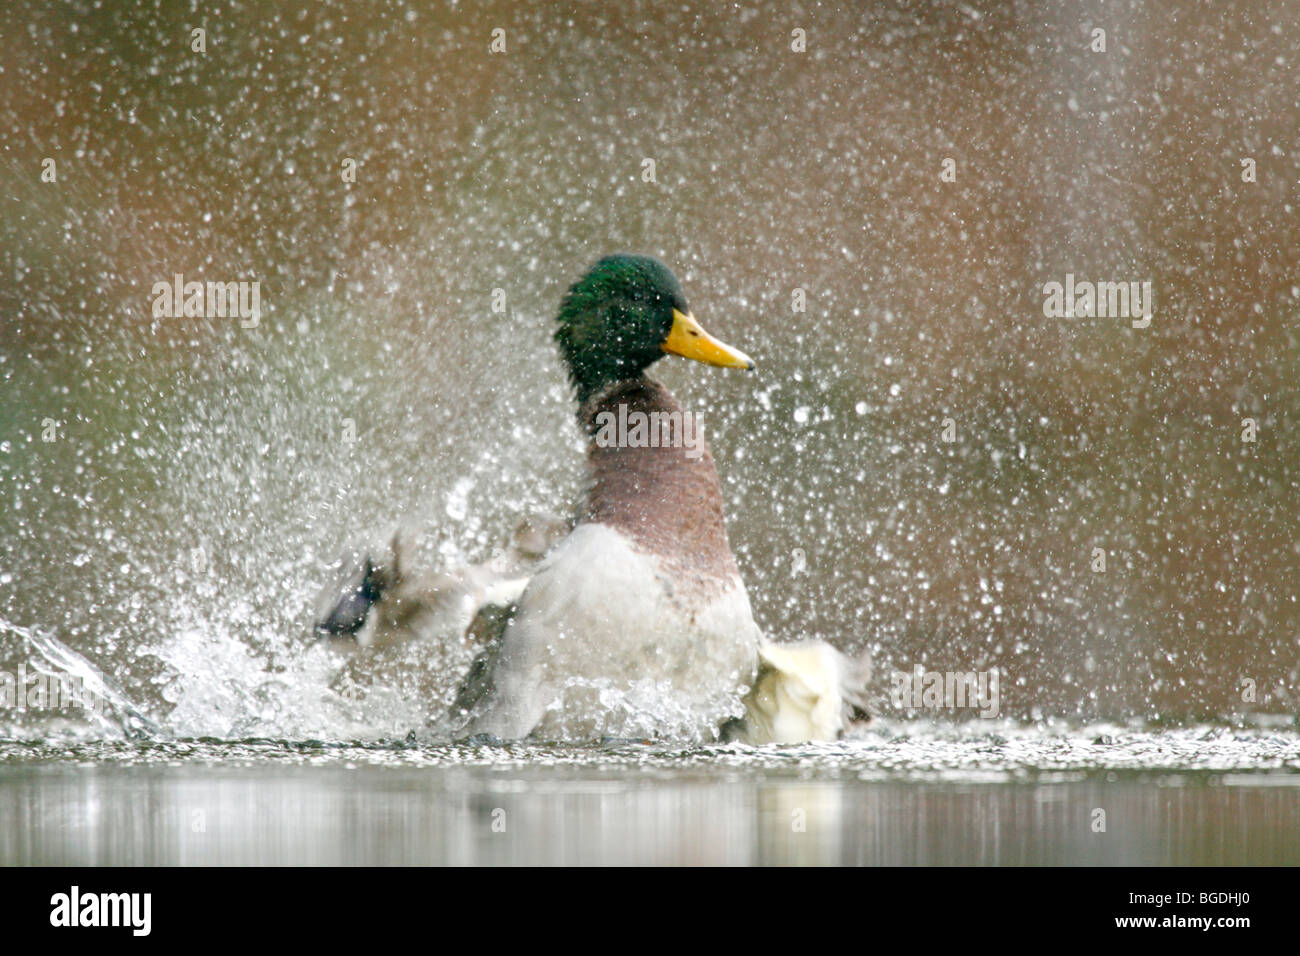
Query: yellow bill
point(690, 341)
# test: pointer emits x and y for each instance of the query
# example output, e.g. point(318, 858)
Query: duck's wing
point(368, 581)
point(379, 597)
point(487, 630)
point(358, 593)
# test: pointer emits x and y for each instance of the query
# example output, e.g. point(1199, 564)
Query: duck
point(635, 622)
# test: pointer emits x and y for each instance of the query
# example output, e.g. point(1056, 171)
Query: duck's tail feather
point(855, 678)
point(804, 691)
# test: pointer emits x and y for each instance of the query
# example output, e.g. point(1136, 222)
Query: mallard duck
point(637, 621)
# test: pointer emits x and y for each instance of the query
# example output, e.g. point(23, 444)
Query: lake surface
point(900, 796)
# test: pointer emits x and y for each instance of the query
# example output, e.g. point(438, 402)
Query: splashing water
point(98, 695)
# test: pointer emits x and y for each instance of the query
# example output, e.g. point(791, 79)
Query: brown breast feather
point(667, 502)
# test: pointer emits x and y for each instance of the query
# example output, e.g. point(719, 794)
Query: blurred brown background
point(776, 170)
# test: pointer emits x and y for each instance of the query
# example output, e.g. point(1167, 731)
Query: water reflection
point(332, 815)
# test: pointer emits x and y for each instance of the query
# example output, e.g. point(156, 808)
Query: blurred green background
point(178, 528)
